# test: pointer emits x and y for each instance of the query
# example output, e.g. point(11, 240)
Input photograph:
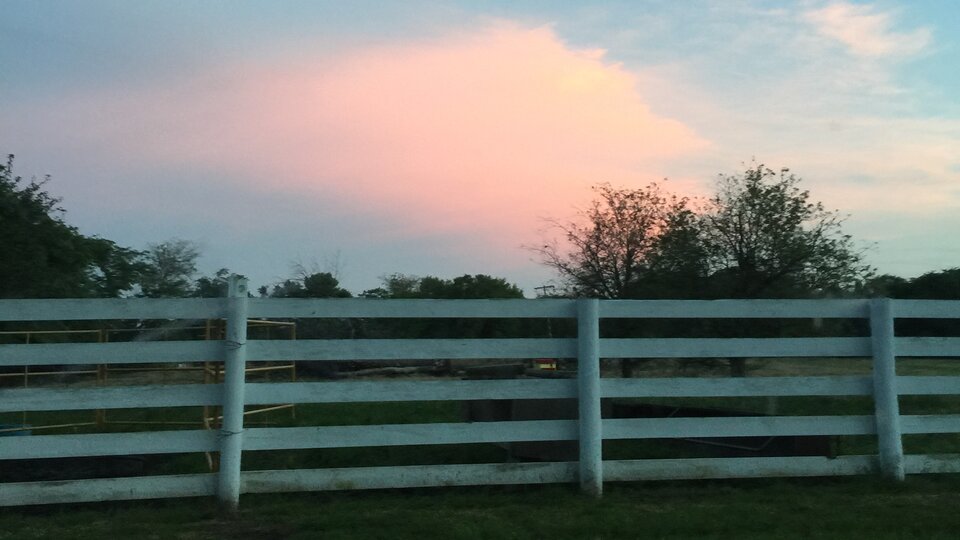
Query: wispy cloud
point(867, 31)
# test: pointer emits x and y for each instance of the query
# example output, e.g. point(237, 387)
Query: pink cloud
point(483, 132)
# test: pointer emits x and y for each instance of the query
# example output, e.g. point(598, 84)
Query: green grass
point(818, 508)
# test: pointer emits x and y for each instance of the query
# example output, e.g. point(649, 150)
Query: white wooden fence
point(591, 471)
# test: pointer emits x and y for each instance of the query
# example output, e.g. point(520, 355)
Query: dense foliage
point(44, 257)
point(764, 237)
point(759, 236)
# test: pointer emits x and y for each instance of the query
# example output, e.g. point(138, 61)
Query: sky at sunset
point(436, 138)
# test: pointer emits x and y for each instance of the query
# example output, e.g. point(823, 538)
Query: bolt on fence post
point(588, 384)
point(885, 401)
point(231, 429)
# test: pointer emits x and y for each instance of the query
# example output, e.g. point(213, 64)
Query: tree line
point(760, 235)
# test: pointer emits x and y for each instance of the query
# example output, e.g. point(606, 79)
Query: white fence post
point(231, 430)
point(588, 383)
point(885, 389)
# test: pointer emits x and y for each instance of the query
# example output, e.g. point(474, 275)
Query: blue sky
point(434, 137)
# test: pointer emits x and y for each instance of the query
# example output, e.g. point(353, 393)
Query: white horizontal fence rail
point(887, 424)
point(144, 352)
point(411, 349)
point(118, 397)
point(351, 308)
point(734, 309)
point(89, 309)
point(108, 444)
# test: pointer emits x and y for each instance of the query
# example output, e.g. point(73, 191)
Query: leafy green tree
point(468, 286)
point(316, 285)
point(884, 286)
point(214, 286)
point(463, 287)
point(759, 236)
point(44, 257)
point(395, 286)
point(678, 266)
point(169, 268)
point(620, 238)
point(324, 285)
point(116, 269)
point(939, 285)
point(764, 237)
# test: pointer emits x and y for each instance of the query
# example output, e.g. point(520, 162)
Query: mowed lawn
point(922, 507)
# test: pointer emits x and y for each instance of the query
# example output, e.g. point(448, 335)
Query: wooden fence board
point(927, 385)
point(736, 387)
point(111, 308)
point(734, 348)
point(930, 423)
point(410, 349)
point(408, 434)
point(349, 308)
point(739, 426)
point(108, 444)
point(928, 346)
point(926, 309)
point(114, 397)
point(108, 489)
point(931, 463)
point(749, 467)
point(366, 391)
point(736, 309)
point(131, 352)
point(407, 477)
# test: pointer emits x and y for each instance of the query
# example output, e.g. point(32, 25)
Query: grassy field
point(813, 508)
